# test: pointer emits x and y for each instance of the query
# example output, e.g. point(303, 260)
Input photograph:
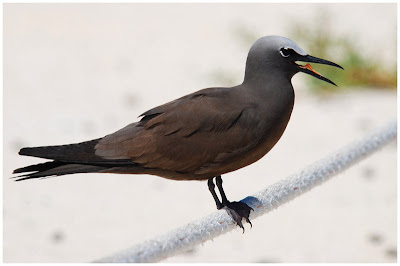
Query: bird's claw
point(239, 210)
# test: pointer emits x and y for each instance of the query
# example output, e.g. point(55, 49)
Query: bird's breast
point(267, 124)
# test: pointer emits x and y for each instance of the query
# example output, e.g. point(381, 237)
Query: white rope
point(186, 237)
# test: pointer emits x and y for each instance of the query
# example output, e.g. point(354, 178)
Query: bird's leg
point(211, 187)
point(236, 209)
point(218, 181)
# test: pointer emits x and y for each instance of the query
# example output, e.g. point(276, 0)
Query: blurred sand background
point(74, 72)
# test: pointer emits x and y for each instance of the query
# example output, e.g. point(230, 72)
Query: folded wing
point(192, 134)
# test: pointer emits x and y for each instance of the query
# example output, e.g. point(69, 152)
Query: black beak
point(309, 70)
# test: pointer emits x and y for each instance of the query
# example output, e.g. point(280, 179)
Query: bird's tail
point(55, 168)
point(66, 159)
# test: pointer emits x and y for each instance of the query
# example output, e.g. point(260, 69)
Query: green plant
point(360, 72)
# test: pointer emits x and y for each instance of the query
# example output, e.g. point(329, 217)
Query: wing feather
point(196, 133)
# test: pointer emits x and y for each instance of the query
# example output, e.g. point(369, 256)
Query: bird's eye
point(285, 52)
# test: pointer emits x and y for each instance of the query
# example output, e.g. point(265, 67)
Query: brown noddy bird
point(198, 136)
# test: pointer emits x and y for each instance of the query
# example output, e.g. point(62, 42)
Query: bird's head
point(281, 55)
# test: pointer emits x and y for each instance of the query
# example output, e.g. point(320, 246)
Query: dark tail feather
point(62, 152)
point(55, 168)
point(78, 153)
point(38, 167)
point(67, 159)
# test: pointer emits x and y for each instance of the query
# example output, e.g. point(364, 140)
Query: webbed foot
point(239, 210)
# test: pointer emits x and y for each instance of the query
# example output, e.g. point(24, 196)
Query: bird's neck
point(267, 72)
point(268, 83)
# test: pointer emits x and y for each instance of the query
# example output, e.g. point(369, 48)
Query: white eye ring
point(280, 51)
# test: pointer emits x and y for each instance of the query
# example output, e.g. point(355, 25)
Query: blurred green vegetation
point(361, 72)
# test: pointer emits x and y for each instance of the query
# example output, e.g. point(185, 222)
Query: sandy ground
point(78, 72)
